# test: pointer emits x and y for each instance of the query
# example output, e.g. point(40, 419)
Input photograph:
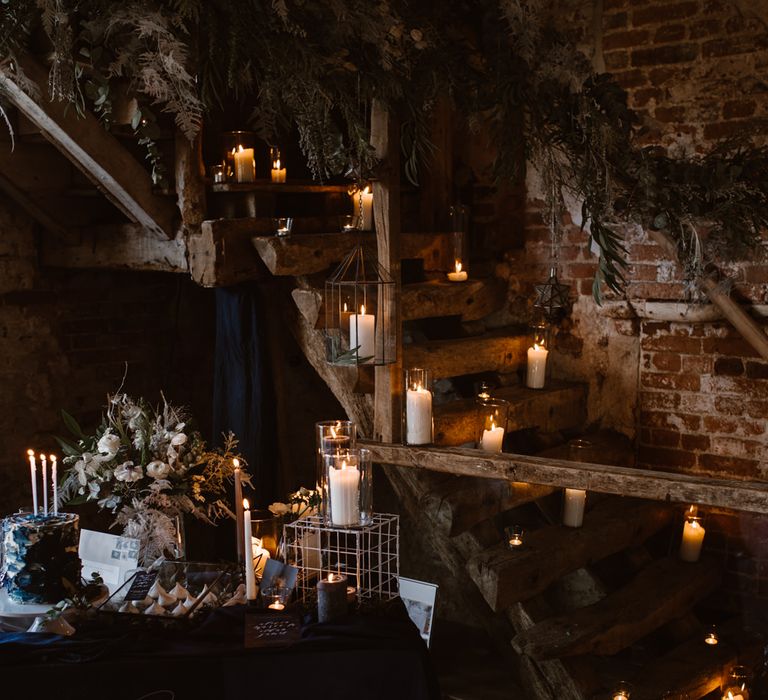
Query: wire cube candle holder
point(369, 556)
point(359, 305)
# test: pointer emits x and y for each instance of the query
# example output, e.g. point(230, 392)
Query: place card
point(269, 629)
point(274, 570)
point(142, 582)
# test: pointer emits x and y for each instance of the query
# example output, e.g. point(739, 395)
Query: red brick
point(722, 130)
point(657, 290)
point(697, 364)
point(729, 366)
point(757, 370)
point(664, 55)
point(657, 15)
point(659, 76)
point(617, 20)
point(696, 403)
point(616, 60)
point(756, 273)
point(757, 409)
point(650, 400)
point(674, 382)
point(732, 466)
point(672, 32)
point(739, 108)
point(733, 426)
point(672, 343)
point(670, 114)
point(728, 346)
point(729, 406)
point(615, 4)
point(664, 457)
point(737, 446)
point(666, 362)
point(704, 28)
point(625, 39)
point(630, 78)
point(679, 421)
point(665, 438)
point(694, 443)
point(732, 46)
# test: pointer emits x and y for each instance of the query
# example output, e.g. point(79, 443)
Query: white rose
point(278, 509)
point(109, 444)
point(128, 472)
point(157, 469)
point(178, 439)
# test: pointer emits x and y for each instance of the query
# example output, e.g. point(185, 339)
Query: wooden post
point(386, 212)
point(738, 318)
point(190, 182)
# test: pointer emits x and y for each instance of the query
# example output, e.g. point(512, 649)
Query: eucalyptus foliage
point(317, 65)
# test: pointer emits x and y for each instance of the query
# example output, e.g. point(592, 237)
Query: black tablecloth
point(360, 657)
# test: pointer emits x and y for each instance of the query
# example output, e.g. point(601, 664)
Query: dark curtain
point(243, 400)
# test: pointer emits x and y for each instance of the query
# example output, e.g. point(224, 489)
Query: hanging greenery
point(318, 65)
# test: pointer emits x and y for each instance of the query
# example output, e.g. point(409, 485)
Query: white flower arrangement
point(149, 468)
point(301, 503)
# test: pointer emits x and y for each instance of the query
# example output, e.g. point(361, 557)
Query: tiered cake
point(40, 553)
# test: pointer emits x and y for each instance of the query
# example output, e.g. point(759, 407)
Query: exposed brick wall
point(694, 395)
point(65, 337)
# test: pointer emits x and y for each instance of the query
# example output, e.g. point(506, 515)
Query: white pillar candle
point(55, 484)
point(44, 474)
point(245, 166)
point(366, 216)
point(344, 489)
point(33, 477)
point(362, 333)
point(573, 508)
point(418, 416)
point(537, 367)
point(278, 173)
point(250, 575)
point(492, 439)
point(458, 275)
point(238, 508)
point(693, 539)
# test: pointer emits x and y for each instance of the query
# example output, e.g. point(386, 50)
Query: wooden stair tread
point(499, 351)
point(507, 576)
point(662, 591)
point(463, 501)
point(558, 406)
point(472, 300)
point(308, 253)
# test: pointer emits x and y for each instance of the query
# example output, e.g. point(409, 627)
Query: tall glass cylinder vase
point(418, 423)
point(492, 416)
point(331, 437)
point(349, 496)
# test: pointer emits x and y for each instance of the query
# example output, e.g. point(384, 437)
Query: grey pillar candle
point(331, 598)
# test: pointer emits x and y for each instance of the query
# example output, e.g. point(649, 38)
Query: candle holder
point(536, 370)
point(238, 155)
point(458, 225)
point(359, 304)
point(282, 226)
point(348, 223)
point(621, 691)
point(492, 416)
point(418, 423)
point(218, 173)
point(278, 172)
point(693, 536)
point(349, 489)
point(711, 637)
point(514, 535)
point(736, 685)
point(362, 206)
point(331, 437)
point(575, 500)
point(276, 597)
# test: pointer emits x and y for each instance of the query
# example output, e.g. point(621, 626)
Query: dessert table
point(369, 656)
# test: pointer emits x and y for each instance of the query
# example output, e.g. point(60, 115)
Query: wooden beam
point(190, 182)
point(666, 589)
point(471, 300)
point(308, 253)
point(506, 576)
point(115, 247)
point(98, 154)
point(388, 391)
point(559, 406)
point(498, 351)
point(461, 502)
point(750, 496)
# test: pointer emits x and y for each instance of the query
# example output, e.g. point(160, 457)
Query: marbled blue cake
point(40, 552)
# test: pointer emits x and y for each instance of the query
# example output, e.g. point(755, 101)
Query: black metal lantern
point(359, 303)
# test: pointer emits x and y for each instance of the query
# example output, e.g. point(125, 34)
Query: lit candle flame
point(457, 265)
point(345, 306)
point(276, 164)
point(362, 309)
point(31, 453)
point(240, 148)
point(246, 505)
point(236, 463)
point(367, 190)
point(493, 424)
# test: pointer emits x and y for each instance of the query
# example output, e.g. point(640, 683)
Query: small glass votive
point(492, 422)
point(735, 687)
point(348, 223)
point(621, 691)
point(418, 424)
point(218, 173)
point(282, 225)
point(514, 535)
point(711, 637)
point(276, 597)
point(348, 500)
